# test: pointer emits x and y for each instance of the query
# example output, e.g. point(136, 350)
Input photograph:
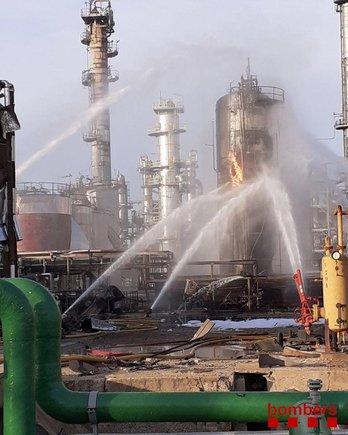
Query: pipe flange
point(315, 384)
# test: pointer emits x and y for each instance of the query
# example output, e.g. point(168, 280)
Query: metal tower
point(342, 122)
point(168, 180)
point(167, 132)
point(99, 21)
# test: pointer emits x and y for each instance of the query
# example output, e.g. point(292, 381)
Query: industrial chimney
point(99, 21)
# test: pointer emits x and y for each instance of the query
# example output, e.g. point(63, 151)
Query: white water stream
point(228, 211)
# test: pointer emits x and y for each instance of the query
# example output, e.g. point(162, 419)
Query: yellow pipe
point(339, 213)
point(86, 358)
point(328, 246)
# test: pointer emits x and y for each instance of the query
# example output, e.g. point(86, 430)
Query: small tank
point(44, 217)
point(335, 280)
point(335, 289)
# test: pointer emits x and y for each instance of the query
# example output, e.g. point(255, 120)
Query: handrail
point(45, 187)
point(273, 92)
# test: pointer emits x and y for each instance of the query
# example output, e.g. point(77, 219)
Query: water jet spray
point(217, 220)
point(179, 215)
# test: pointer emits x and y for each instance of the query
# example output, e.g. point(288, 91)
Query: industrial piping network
point(22, 299)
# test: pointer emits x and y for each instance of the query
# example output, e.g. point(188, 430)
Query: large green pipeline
point(71, 407)
point(17, 319)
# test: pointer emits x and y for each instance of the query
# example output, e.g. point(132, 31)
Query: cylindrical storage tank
point(243, 145)
point(243, 142)
point(335, 292)
point(44, 220)
point(105, 221)
point(82, 214)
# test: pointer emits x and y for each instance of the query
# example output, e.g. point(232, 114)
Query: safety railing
point(48, 188)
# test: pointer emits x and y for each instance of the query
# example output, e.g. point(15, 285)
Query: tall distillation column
point(99, 26)
point(168, 179)
point(342, 123)
point(103, 192)
point(167, 132)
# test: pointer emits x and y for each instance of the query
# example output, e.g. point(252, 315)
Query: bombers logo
point(293, 412)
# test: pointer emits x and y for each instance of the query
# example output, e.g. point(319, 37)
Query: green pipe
point(71, 407)
point(17, 319)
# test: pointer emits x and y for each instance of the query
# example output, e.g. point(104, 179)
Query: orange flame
point(235, 170)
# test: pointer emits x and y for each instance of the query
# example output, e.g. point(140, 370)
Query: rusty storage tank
point(44, 216)
point(243, 146)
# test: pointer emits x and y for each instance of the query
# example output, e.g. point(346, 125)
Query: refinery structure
point(244, 146)
point(97, 222)
point(82, 208)
point(87, 259)
point(79, 210)
point(168, 180)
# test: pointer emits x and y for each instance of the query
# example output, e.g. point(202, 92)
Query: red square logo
point(292, 422)
point(332, 421)
point(273, 423)
point(312, 422)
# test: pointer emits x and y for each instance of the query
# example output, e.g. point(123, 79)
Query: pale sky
point(190, 48)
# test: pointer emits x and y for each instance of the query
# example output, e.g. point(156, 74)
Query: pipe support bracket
point(92, 411)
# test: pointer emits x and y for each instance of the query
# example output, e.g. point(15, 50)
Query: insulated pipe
point(72, 407)
point(17, 320)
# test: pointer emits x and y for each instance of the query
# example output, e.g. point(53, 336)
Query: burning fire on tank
point(235, 170)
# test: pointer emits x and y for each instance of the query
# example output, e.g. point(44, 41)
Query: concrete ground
point(242, 363)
